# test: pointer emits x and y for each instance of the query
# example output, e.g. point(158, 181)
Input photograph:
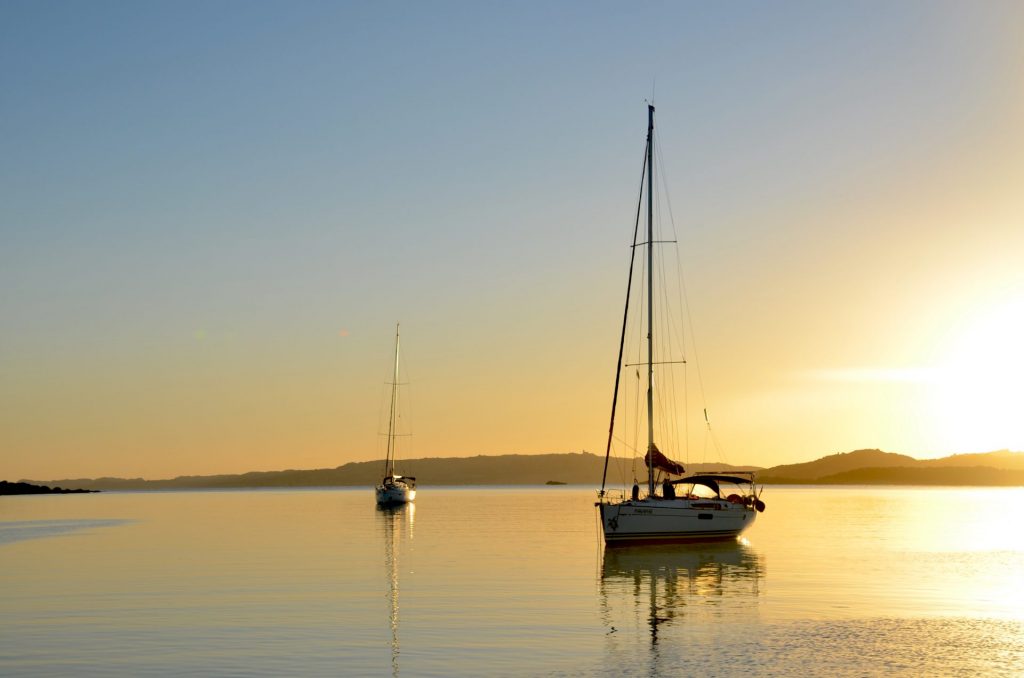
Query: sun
point(978, 388)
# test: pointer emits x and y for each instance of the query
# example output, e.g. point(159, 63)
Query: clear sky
point(213, 213)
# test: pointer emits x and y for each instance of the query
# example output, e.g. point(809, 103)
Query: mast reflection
point(398, 521)
point(652, 590)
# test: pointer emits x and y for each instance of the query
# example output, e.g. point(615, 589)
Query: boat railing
point(611, 496)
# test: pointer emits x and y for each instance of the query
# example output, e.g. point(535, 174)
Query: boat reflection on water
point(679, 591)
point(398, 521)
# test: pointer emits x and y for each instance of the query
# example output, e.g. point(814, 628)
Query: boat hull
point(670, 521)
point(391, 495)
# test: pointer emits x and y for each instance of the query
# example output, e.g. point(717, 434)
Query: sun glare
point(977, 396)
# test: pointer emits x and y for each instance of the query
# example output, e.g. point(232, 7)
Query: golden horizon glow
point(849, 222)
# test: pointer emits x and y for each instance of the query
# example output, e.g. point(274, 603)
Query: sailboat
point(394, 489)
point(699, 507)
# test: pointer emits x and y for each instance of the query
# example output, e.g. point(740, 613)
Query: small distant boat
point(394, 489)
point(698, 507)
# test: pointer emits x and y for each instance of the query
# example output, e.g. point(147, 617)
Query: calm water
point(851, 581)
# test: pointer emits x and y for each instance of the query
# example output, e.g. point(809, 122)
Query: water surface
point(505, 581)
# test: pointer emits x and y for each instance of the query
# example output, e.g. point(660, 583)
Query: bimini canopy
point(712, 481)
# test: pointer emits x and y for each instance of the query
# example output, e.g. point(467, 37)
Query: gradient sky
point(212, 215)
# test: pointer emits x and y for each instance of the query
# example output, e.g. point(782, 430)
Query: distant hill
point(1001, 459)
point(874, 467)
point(1001, 468)
point(508, 469)
point(932, 475)
point(811, 471)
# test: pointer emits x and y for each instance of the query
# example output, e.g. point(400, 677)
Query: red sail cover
point(662, 462)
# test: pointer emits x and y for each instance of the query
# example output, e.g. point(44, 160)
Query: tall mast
point(650, 300)
point(389, 463)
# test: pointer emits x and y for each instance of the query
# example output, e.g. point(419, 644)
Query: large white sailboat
point(394, 489)
point(698, 507)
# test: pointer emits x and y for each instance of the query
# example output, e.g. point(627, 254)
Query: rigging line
point(382, 417)
point(667, 392)
point(636, 423)
point(671, 332)
point(638, 330)
point(658, 362)
point(682, 280)
point(718, 448)
point(663, 398)
point(407, 406)
point(625, 313)
point(686, 419)
point(683, 291)
point(620, 463)
point(656, 242)
point(630, 416)
point(622, 459)
point(714, 439)
point(677, 323)
point(631, 448)
point(636, 339)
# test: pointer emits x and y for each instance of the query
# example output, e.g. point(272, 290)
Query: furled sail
point(661, 462)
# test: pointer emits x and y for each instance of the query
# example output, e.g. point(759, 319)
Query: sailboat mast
point(650, 300)
point(389, 464)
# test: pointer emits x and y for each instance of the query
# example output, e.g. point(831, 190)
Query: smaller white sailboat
point(394, 489)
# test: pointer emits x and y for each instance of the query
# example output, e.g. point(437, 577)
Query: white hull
point(395, 494)
point(651, 521)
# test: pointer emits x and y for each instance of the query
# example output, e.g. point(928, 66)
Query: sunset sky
point(213, 214)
